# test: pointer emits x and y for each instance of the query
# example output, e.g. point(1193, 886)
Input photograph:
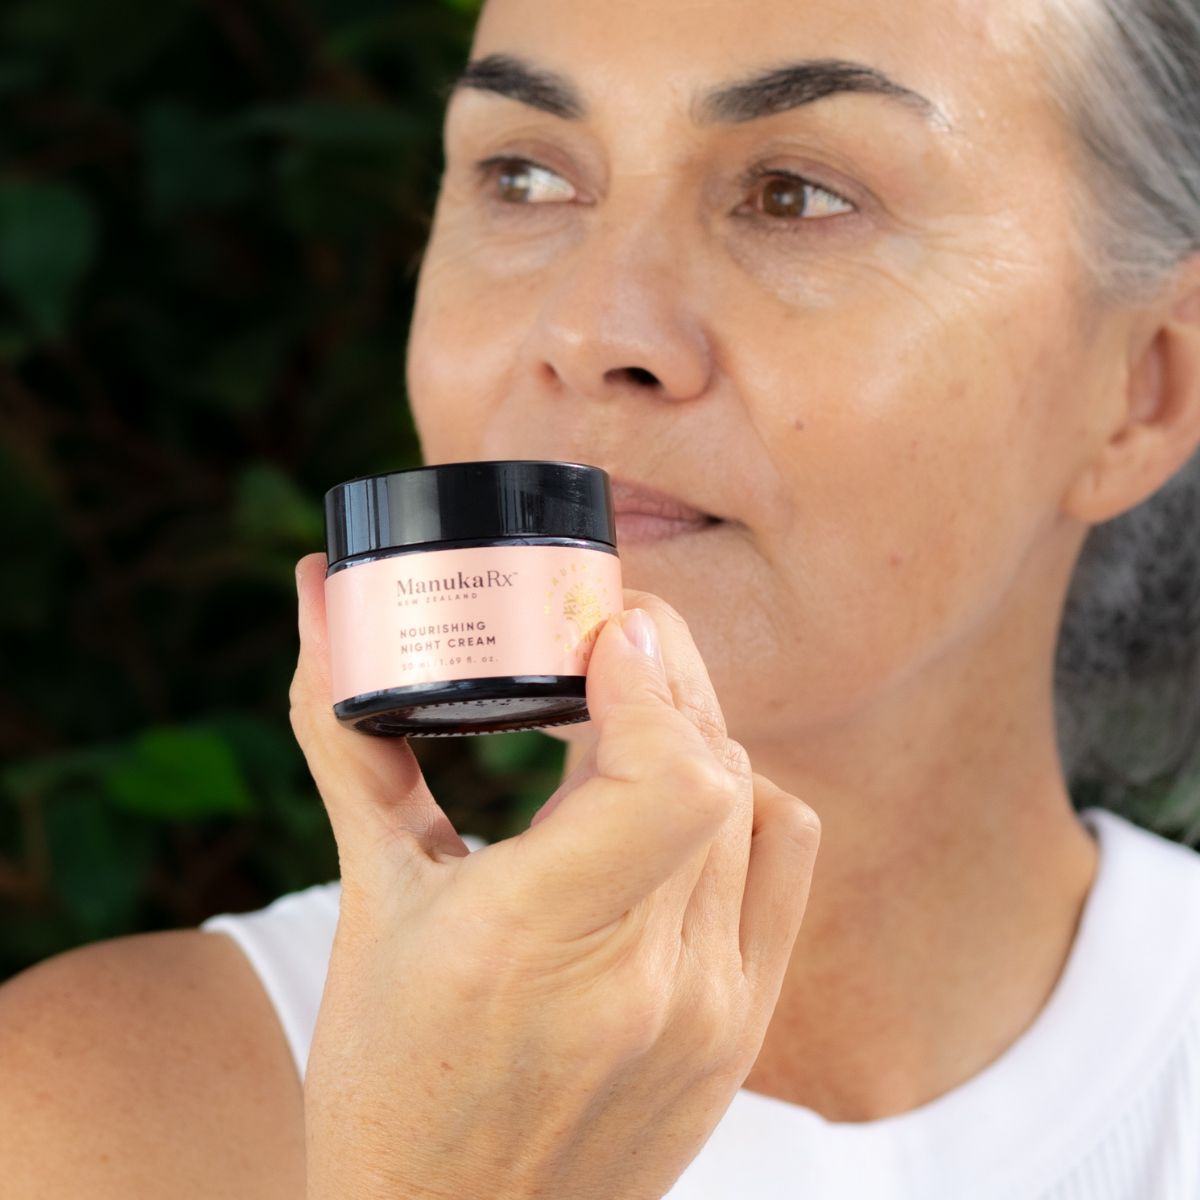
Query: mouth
point(645, 514)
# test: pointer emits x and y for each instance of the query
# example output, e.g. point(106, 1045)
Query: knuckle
point(641, 1025)
point(695, 698)
point(627, 1032)
point(647, 746)
point(631, 1018)
point(474, 979)
point(796, 817)
point(805, 821)
point(704, 782)
point(737, 760)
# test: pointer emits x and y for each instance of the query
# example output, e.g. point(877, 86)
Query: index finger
point(372, 787)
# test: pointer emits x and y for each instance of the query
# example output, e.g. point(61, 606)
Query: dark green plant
point(210, 216)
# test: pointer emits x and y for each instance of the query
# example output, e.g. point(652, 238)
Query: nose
point(620, 316)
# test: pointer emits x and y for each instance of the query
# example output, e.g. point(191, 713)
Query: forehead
point(974, 59)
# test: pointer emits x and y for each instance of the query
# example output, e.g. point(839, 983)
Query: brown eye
point(792, 198)
point(784, 198)
point(512, 183)
point(517, 181)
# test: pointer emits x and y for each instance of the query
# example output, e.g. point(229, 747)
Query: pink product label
point(467, 614)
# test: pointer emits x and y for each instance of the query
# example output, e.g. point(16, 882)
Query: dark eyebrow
point(519, 80)
point(804, 82)
point(762, 95)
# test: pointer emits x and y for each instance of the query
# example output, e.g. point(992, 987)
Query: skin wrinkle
point(892, 411)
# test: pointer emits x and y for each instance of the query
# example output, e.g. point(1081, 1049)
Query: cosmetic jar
point(466, 598)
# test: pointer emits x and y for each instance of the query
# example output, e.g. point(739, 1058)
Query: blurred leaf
point(504, 752)
point(98, 862)
point(241, 371)
point(190, 162)
point(269, 756)
point(179, 774)
point(47, 242)
point(271, 509)
point(52, 770)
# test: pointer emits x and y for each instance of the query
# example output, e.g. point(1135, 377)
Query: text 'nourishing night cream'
point(466, 598)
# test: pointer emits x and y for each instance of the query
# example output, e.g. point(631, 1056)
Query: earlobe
point(1158, 426)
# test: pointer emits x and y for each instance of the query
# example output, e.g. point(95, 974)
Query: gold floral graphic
point(579, 594)
point(581, 606)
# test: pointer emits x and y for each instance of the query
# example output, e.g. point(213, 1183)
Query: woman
point(872, 312)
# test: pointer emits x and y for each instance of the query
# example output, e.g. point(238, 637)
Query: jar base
point(468, 706)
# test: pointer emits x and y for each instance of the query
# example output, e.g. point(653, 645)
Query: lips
point(646, 514)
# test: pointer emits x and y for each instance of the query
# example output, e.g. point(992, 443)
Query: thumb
point(381, 810)
point(630, 668)
point(655, 794)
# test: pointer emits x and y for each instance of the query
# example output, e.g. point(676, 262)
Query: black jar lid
point(469, 501)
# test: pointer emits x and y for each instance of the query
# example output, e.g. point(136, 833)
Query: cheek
point(462, 348)
point(945, 391)
point(921, 471)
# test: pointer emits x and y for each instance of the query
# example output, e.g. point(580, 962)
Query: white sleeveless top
point(1099, 1099)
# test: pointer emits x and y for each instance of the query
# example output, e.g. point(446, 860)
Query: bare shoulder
point(147, 1066)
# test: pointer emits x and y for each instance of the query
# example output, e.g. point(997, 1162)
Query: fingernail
point(297, 579)
point(641, 631)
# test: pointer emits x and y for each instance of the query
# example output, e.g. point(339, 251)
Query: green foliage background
point(210, 216)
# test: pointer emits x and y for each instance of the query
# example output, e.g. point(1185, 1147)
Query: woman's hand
point(568, 1013)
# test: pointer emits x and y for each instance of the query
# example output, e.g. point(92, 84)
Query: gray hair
point(1126, 74)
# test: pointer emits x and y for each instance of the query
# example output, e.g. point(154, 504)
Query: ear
point(1155, 426)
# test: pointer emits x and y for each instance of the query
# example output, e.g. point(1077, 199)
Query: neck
point(944, 903)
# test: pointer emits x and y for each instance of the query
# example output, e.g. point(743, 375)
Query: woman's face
point(845, 324)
